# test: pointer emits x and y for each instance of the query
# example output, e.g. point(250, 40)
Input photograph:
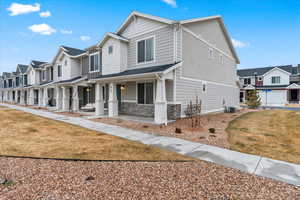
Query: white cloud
point(19, 9)
point(66, 32)
point(43, 29)
point(239, 44)
point(45, 14)
point(171, 3)
point(85, 38)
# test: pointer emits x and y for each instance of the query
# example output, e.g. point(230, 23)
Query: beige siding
point(198, 65)
point(212, 32)
point(164, 48)
point(139, 26)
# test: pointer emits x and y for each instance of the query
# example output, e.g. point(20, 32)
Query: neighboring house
point(277, 86)
point(151, 67)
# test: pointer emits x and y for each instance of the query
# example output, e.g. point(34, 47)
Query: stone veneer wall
point(131, 108)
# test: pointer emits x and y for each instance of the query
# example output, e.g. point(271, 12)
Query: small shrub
point(8, 183)
point(201, 137)
point(212, 130)
point(178, 130)
point(240, 144)
point(145, 126)
point(212, 136)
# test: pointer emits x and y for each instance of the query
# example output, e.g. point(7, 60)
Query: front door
point(119, 96)
point(294, 95)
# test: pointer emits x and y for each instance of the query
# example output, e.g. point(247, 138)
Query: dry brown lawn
point(24, 134)
point(273, 133)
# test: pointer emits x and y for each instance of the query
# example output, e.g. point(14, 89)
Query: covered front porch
point(293, 94)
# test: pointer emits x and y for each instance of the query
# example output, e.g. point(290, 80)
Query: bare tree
point(193, 112)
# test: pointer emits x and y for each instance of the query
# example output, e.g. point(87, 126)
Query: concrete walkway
point(261, 166)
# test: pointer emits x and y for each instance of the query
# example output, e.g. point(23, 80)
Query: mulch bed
point(49, 179)
point(217, 121)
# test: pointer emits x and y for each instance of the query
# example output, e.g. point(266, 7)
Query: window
point(221, 59)
point(247, 81)
point(43, 75)
point(145, 50)
point(145, 93)
point(203, 86)
point(95, 62)
point(66, 62)
point(110, 49)
point(275, 79)
point(210, 53)
point(17, 82)
point(59, 72)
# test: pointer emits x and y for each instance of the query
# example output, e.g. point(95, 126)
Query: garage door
point(273, 97)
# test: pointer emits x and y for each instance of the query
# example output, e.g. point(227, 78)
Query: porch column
point(112, 101)
point(75, 98)
point(31, 97)
point(45, 103)
point(41, 97)
point(58, 98)
point(99, 103)
point(65, 99)
point(22, 97)
point(160, 108)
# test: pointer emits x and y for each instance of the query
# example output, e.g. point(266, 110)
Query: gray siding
point(85, 65)
point(164, 48)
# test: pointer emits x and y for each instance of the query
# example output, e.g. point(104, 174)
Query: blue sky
point(267, 31)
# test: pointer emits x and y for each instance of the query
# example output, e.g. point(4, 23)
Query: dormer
point(112, 57)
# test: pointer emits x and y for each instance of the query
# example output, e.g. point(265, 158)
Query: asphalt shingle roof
point(263, 70)
point(145, 70)
point(73, 51)
point(36, 64)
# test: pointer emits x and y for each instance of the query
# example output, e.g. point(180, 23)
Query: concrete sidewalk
point(261, 166)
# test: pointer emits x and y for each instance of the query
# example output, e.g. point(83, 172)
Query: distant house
point(150, 67)
point(277, 86)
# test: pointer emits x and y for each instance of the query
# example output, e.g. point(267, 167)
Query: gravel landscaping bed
point(58, 180)
point(217, 121)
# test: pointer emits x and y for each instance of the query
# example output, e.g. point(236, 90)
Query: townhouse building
point(276, 86)
point(151, 67)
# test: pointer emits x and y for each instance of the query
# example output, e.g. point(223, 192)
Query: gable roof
point(261, 71)
point(72, 51)
point(138, 14)
point(22, 68)
point(112, 35)
point(36, 64)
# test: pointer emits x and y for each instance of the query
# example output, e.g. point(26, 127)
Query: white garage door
point(273, 97)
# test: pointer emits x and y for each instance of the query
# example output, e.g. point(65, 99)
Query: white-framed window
point(221, 59)
point(59, 71)
point(204, 86)
point(145, 50)
point(66, 62)
point(44, 75)
point(210, 53)
point(145, 92)
point(275, 79)
point(247, 81)
point(95, 62)
point(110, 49)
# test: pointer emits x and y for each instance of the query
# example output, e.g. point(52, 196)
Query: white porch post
point(22, 98)
point(65, 99)
point(58, 98)
point(40, 97)
point(75, 98)
point(160, 108)
point(112, 101)
point(99, 103)
point(45, 97)
point(11, 96)
point(31, 97)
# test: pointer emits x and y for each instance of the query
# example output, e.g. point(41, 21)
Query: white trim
point(293, 86)
point(112, 35)
point(92, 54)
point(154, 50)
point(172, 68)
point(136, 91)
point(207, 43)
point(210, 82)
point(199, 19)
point(175, 86)
point(129, 101)
point(135, 13)
point(276, 68)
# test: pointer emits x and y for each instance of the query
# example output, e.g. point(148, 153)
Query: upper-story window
point(247, 81)
point(275, 79)
point(59, 72)
point(221, 59)
point(17, 81)
point(25, 79)
point(66, 62)
point(95, 62)
point(145, 50)
point(110, 49)
point(44, 75)
point(210, 53)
